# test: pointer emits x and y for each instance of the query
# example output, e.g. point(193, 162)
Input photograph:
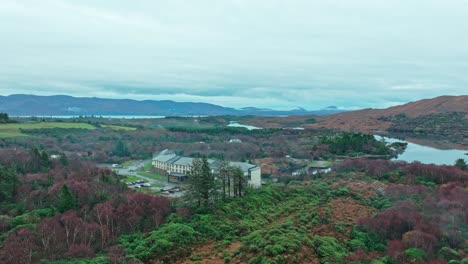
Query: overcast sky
point(237, 53)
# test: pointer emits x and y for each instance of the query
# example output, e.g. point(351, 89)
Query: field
point(116, 127)
point(152, 175)
point(14, 130)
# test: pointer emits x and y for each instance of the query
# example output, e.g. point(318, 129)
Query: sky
point(237, 53)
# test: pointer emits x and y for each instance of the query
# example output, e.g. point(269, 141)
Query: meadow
point(14, 129)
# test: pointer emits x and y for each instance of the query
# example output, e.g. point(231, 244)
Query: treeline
point(355, 143)
point(223, 130)
point(4, 118)
point(405, 173)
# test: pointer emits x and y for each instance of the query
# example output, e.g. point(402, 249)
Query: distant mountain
point(26, 105)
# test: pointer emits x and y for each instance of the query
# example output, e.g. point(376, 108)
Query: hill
point(28, 105)
point(383, 119)
point(427, 114)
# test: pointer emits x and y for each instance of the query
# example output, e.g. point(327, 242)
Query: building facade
point(178, 168)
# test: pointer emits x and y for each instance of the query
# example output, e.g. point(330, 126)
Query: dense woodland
point(452, 126)
point(65, 209)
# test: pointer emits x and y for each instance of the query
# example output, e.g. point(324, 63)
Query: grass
point(116, 127)
point(149, 191)
point(128, 163)
point(13, 130)
point(157, 185)
point(321, 163)
point(131, 179)
point(146, 172)
point(147, 167)
point(152, 175)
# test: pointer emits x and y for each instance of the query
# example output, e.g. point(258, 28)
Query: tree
point(8, 184)
point(232, 180)
point(18, 247)
point(461, 163)
point(202, 187)
point(4, 118)
point(121, 149)
point(223, 176)
point(67, 201)
point(239, 181)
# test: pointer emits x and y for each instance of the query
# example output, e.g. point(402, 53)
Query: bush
point(356, 244)
point(284, 239)
point(329, 250)
point(449, 253)
point(415, 254)
point(169, 241)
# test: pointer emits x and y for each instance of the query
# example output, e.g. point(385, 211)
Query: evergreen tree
point(461, 163)
point(8, 183)
point(4, 118)
point(40, 161)
point(223, 176)
point(64, 159)
point(202, 187)
point(232, 180)
point(67, 201)
point(239, 181)
point(121, 149)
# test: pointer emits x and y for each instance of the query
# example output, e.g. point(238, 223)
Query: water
point(235, 124)
point(97, 116)
point(428, 155)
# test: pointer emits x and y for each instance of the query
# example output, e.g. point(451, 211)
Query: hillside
point(28, 105)
point(377, 119)
point(444, 115)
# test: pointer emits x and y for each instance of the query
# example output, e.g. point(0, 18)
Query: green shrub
point(173, 238)
point(356, 243)
point(329, 250)
point(284, 239)
point(371, 241)
point(415, 253)
point(340, 227)
point(449, 254)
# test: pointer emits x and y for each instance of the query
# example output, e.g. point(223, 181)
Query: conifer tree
point(202, 187)
point(67, 201)
point(8, 183)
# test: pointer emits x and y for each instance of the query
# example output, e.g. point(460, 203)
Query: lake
point(425, 154)
point(235, 124)
point(97, 116)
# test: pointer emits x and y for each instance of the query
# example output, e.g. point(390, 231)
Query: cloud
point(237, 53)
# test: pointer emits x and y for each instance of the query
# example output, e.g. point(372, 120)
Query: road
point(132, 170)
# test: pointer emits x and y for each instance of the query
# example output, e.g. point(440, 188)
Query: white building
point(178, 167)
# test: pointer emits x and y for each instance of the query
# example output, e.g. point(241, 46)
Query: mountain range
point(33, 105)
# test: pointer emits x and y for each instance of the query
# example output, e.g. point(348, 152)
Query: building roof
point(244, 166)
point(168, 156)
point(182, 161)
point(164, 156)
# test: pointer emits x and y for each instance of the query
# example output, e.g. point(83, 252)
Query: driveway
point(132, 170)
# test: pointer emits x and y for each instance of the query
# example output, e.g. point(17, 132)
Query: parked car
point(145, 185)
